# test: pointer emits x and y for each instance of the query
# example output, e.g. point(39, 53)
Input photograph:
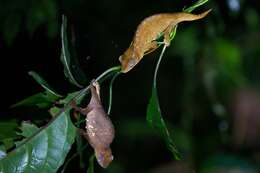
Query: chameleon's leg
point(97, 87)
point(73, 104)
point(167, 35)
point(152, 47)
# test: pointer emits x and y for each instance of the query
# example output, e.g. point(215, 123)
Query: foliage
point(191, 105)
point(44, 150)
point(15, 13)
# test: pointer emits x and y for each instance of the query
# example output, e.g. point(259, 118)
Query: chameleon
point(99, 128)
point(144, 40)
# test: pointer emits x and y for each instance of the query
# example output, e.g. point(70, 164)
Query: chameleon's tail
point(189, 17)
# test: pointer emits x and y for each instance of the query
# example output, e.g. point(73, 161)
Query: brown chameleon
point(144, 40)
point(99, 128)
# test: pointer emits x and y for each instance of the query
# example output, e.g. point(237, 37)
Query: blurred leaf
point(50, 9)
point(44, 151)
point(227, 163)
point(91, 164)
point(155, 119)
point(7, 133)
point(35, 17)
point(134, 129)
point(80, 147)
point(71, 67)
point(188, 44)
point(252, 19)
point(41, 100)
point(43, 83)
point(54, 111)
point(228, 53)
point(41, 12)
point(7, 129)
point(229, 60)
point(11, 27)
point(195, 5)
point(2, 152)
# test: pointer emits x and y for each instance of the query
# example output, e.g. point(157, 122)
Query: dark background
point(208, 82)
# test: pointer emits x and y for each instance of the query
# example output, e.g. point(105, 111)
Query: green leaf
point(7, 129)
point(195, 5)
point(74, 96)
point(11, 27)
point(54, 111)
point(43, 83)
point(71, 66)
point(38, 13)
point(44, 151)
point(41, 100)
point(7, 133)
point(227, 163)
point(91, 164)
point(155, 119)
point(28, 129)
point(154, 116)
point(2, 152)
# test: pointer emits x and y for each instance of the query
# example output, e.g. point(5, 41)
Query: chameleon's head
point(104, 157)
point(128, 60)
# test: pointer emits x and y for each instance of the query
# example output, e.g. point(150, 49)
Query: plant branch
point(110, 92)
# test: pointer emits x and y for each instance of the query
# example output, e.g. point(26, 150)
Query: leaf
point(155, 119)
point(153, 115)
point(45, 151)
point(28, 129)
point(7, 129)
point(54, 111)
point(11, 27)
point(91, 164)
point(2, 152)
point(41, 100)
point(7, 133)
point(195, 5)
point(71, 66)
point(43, 83)
point(227, 163)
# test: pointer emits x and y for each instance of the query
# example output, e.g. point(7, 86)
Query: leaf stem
point(100, 77)
point(116, 68)
point(157, 66)
point(111, 92)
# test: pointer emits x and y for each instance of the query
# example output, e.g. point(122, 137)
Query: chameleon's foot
point(95, 84)
point(167, 41)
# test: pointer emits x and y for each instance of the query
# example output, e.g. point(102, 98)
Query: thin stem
point(100, 77)
point(111, 92)
point(157, 65)
point(116, 68)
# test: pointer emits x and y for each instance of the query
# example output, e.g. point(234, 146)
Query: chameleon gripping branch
point(99, 128)
point(147, 32)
